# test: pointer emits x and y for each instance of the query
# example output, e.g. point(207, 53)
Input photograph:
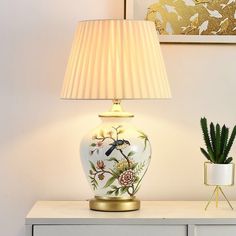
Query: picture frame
point(132, 11)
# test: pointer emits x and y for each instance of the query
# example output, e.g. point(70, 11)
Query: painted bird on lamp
point(118, 145)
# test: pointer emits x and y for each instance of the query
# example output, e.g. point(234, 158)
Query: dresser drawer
point(216, 230)
point(110, 230)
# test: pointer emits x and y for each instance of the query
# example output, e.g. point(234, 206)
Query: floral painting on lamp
point(118, 159)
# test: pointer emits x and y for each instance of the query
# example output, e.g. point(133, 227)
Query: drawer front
point(107, 230)
point(216, 230)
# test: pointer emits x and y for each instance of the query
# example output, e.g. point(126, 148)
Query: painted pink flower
point(127, 178)
point(100, 165)
point(99, 144)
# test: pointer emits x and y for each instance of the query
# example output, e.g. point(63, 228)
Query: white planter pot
point(218, 174)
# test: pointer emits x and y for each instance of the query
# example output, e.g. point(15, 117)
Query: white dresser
point(156, 218)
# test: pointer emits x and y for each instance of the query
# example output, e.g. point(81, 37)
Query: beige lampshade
point(115, 59)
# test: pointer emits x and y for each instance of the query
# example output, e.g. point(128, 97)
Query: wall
point(40, 134)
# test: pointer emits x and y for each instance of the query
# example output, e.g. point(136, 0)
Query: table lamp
point(115, 60)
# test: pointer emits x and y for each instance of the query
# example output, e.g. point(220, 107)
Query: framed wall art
point(188, 21)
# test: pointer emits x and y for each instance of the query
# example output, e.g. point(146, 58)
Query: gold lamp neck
point(116, 111)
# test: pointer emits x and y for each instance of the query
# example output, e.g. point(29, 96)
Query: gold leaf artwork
point(193, 17)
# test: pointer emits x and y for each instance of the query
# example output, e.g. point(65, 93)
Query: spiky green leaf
point(223, 143)
point(231, 141)
point(204, 152)
point(224, 138)
point(206, 137)
point(213, 136)
point(227, 161)
point(217, 150)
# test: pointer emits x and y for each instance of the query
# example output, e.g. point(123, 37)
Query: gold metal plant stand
point(217, 192)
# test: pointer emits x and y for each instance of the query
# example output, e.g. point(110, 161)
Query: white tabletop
point(77, 212)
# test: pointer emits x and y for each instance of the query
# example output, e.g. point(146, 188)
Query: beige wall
point(40, 134)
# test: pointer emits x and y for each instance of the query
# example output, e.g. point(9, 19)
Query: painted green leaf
point(94, 186)
point(95, 181)
point(93, 145)
point(92, 166)
point(139, 168)
point(117, 192)
point(110, 181)
point(113, 187)
point(142, 133)
point(110, 192)
point(113, 159)
point(115, 174)
point(136, 179)
point(134, 166)
point(120, 131)
point(123, 190)
point(145, 144)
point(131, 153)
point(145, 138)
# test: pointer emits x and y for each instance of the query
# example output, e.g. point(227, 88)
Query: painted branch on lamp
point(115, 59)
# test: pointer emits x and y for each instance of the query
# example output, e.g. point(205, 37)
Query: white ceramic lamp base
point(115, 158)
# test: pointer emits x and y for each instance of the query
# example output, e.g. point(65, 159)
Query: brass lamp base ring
point(106, 204)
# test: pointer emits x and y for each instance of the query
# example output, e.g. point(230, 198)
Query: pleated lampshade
point(115, 59)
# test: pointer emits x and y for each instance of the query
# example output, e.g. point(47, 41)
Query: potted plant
point(219, 169)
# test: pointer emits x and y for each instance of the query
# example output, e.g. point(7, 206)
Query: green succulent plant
point(218, 142)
